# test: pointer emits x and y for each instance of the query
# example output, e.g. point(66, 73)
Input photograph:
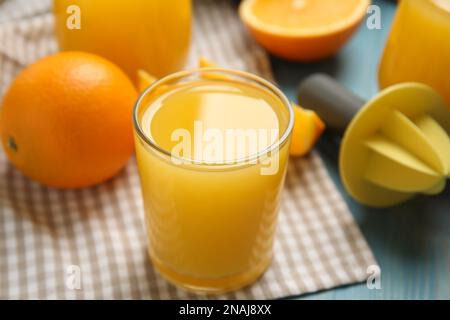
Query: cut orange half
point(302, 30)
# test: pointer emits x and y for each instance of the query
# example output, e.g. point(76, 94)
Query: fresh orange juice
point(212, 155)
point(135, 34)
point(418, 48)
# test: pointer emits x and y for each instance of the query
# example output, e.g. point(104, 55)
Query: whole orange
point(65, 121)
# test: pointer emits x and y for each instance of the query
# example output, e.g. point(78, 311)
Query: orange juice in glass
point(135, 34)
point(418, 48)
point(212, 149)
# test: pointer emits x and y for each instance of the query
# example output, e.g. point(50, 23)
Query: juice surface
point(418, 48)
point(210, 228)
point(135, 34)
point(213, 106)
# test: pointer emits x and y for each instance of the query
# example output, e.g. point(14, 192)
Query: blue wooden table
point(411, 242)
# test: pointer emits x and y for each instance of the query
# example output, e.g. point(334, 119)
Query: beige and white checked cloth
point(43, 231)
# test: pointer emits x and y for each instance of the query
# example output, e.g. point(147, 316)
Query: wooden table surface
point(411, 242)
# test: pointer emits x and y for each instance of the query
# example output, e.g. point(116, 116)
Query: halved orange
point(302, 30)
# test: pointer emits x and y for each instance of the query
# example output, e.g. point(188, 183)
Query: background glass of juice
point(418, 48)
point(135, 34)
point(211, 220)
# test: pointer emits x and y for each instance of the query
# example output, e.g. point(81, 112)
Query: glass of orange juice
point(135, 34)
point(418, 48)
point(212, 148)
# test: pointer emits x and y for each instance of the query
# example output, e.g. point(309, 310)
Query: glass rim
point(265, 85)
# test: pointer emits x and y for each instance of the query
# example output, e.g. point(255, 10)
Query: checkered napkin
point(48, 235)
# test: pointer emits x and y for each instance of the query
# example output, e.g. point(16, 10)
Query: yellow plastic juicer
point(394, 146)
